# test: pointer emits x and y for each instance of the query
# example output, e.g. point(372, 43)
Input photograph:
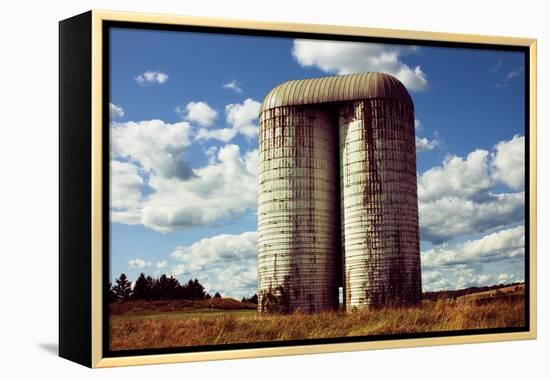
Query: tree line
point(149, 288)
point(162, 288)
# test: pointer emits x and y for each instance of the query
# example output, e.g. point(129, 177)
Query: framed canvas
point(235, 189)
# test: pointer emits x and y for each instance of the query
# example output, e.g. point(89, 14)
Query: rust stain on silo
point(337, 193)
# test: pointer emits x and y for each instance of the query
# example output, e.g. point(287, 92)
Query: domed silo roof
point(330, 89)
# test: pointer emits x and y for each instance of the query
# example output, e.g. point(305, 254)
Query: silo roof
point(329, 89)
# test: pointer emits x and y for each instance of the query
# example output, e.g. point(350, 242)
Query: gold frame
point(97, 19)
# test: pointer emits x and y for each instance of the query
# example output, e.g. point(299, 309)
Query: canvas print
point(273, 190)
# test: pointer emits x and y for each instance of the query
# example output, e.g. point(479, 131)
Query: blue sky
point(184, 150)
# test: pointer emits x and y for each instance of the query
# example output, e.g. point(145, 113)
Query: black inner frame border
point(105, 151)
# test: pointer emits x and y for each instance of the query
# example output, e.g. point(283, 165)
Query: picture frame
point(84, 267)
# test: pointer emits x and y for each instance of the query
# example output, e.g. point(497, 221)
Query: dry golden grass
point(515, 290)
point(141, 332)
point(178, 305)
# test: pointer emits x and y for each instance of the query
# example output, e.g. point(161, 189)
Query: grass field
point(161, 326)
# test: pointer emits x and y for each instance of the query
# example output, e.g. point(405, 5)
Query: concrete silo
point(337, 194)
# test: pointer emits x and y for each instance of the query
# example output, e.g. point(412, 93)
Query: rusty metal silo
point(380, 232)
point(298, 210)
point(337, 194)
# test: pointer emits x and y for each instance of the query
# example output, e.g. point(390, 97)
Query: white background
point(29, 186)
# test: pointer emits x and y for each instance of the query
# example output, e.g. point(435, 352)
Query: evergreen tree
point(193, 290)
point(252, 299)
point(142, 287)
point(217, 295)
point(151, 285)
point(161, 287)
point(168, 288)
point(123, 288)
point(112, 295)
point(173, 288)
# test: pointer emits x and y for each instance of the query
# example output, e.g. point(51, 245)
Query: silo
point(337, 194)
point(380, 240)
point(298, 226)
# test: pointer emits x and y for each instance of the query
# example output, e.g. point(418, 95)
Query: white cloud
point(514, 73)
point(224, 263)
point(151, 77)
point(425, 144)
point(154, 186)
point(216, 192)
point(115, 111)
point(233, 85)
point(417, 125)
point(212, 154)
point(433, 280)
point(222, 248)
point(458, 177)
point(492, 259)
point(459, 197)
point(198, 112)
point(501, 245)
point(509, 162)
point(505, 278)
point(161, 264)
point(156, 146)
point(503, 83)
point(449, 217)
point(223, 135)
point(352, 57)
point(126, 184)
point(243, 118)
point(138, 264)
point(461, 278)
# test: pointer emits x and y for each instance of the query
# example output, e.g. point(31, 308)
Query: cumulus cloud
point(449, 217)
point(482, 262)
point(242, 117)
point(153, 185)
point(151, 77)
point(425, 144)
point(501, 245)
point(223, 135)
point(233, 85)
point(216, 192)
point(138, 264)
point(115, 111)
point(126, 198)
point(198, 112)
point(352, 57)
point(460, 279)
point(225, 263)
point(459, 197)
point(509, 162)
point(456, 177)
point(161, 264)
point(155, 145)
point(463, 276)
